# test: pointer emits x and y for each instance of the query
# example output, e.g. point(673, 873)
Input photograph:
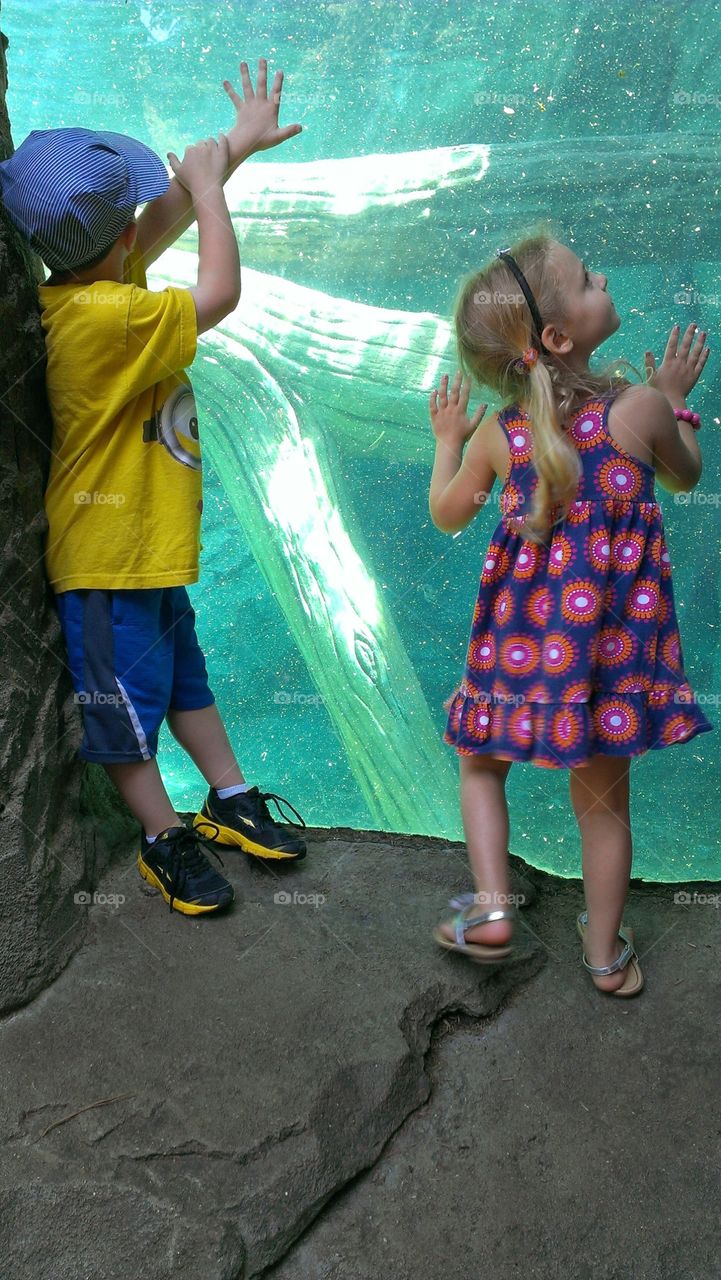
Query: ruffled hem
point(564, 735)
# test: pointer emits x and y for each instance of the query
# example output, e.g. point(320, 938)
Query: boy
point(124, 494)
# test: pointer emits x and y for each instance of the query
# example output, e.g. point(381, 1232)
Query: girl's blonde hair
point(494, 328)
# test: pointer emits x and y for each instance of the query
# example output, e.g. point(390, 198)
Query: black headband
point(535, 313)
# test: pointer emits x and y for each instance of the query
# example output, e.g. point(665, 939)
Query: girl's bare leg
point(485, 823)
point(600, 794)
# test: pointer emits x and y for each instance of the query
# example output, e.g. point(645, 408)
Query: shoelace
point(277, 800)
point(186, 858)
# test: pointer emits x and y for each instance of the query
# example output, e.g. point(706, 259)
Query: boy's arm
point(217, 292)
point(164, 219)
point(255, 129)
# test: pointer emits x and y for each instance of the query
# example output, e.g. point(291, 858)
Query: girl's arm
point(460, 484)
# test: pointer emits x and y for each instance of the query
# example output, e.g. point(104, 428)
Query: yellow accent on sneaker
point(228, 835)
point(187, 908)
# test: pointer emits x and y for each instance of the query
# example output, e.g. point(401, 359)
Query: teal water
point(333, 615)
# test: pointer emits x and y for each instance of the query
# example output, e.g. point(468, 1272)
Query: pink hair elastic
point(527, 360)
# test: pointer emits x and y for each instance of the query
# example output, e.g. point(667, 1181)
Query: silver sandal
point(627, 957)
point(477, 951)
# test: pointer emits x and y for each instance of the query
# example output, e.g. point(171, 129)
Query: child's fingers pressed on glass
point(687, 340)
point(672, 341)
point(465, 393)
point(699, 352)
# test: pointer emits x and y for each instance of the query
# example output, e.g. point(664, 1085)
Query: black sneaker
point(175, 864)
point(244, 820)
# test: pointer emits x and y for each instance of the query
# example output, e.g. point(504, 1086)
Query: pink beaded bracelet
point(688, 416)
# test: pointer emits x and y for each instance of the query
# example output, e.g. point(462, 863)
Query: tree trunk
point(61, 818)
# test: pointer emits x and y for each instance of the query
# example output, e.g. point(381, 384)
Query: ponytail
point(498, 347)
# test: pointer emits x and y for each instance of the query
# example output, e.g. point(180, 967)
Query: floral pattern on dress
point(575, 648)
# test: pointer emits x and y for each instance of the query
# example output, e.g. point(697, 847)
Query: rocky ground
point(308, 1088)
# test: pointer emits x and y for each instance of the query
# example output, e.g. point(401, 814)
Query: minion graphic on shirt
point(175, 425)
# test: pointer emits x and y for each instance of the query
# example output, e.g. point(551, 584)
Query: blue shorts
point(133, 656)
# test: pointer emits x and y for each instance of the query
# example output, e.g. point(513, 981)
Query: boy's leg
point(193, 718)
point(105, 633)
point(192, 715)
point(141, 787)
point(121, 658)
point(202, 734)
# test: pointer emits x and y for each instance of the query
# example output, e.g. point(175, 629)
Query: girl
point(574, 659)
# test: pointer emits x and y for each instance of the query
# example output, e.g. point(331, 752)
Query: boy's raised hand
point(256, 121)
point(204, 164)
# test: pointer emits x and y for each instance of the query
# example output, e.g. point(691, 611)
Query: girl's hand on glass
point(680, 368)
point(449, 419)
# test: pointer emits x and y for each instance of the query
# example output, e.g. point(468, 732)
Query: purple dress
point(575, 647)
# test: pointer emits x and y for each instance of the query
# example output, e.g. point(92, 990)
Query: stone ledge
point(269, 1055)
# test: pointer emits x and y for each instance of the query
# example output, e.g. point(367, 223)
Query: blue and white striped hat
point(71, 192)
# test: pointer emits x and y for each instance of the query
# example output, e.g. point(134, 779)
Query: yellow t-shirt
point(124, 493)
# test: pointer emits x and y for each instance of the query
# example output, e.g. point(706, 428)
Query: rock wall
point(62, 819)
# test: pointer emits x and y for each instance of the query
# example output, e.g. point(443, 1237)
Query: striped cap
point(71, 192)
